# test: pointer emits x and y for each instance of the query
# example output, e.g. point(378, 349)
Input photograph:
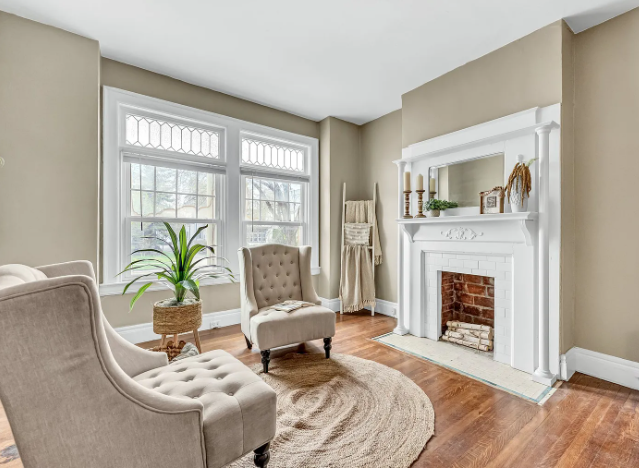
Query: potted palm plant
point(181, 269)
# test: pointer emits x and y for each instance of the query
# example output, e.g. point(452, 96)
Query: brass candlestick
point(420, 204)
point(407, 204)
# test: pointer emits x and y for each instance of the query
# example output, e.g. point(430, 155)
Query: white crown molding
point(144, 331)
point(603, 366)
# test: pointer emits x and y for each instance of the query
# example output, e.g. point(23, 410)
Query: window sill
point(115, 289)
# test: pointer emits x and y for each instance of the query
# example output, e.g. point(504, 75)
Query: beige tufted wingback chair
point(77, 395)
point(274, 273)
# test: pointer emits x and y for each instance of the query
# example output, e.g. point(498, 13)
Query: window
point(164, 162)
point(275, 186)
point(274, 211)
point(181, 197)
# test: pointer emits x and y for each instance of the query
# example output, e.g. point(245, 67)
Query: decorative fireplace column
point(542, 374)
point(400, 329)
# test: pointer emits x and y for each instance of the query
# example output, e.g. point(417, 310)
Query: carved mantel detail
point(461, 233)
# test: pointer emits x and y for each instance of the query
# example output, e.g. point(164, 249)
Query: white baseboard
point(385, 307)
point(144, 331)
point(382, 307)
point(332, 304)
point(602, 366)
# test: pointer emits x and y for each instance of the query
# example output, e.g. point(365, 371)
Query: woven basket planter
point(174, 319)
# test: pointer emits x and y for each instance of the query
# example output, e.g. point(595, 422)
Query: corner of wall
point(567, 312)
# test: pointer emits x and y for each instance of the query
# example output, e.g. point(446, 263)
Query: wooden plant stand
point(174, 320)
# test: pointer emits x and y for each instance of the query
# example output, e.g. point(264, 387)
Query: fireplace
point(468, 303)
point(518, 251)
point(468, 298)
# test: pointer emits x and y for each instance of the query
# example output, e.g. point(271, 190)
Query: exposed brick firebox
point(468, 298)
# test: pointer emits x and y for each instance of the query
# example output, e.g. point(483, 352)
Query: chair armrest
point(78, 267)
point(131, 358)
point(306, 278)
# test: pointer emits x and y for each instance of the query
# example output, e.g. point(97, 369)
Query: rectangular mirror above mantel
point(516, 249)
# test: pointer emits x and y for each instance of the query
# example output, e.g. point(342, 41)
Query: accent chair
point(78, 395)
point(271, 274)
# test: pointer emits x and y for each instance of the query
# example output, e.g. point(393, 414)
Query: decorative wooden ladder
point(371, 248)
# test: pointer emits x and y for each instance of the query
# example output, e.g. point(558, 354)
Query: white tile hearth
point(472, 363)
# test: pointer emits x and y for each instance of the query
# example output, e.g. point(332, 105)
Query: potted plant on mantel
point(182, 270)
point(519, 185)
point(433, 207)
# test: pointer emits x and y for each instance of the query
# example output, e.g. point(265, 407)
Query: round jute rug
point(344, 412)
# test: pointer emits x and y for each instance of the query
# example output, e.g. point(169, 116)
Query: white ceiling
point(351, 59)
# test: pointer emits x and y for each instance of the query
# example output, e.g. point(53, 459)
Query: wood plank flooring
point(586, 423)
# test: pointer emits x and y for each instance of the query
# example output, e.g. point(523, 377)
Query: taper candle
point(420, 182)
point(406, 181)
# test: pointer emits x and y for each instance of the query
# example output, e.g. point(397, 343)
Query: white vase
point(516, 204)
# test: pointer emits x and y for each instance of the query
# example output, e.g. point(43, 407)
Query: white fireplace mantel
point(521, 251)
point(504, 227)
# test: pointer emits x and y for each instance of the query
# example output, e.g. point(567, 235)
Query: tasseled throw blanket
point(357, 287)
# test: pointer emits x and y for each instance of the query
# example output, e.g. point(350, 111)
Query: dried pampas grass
point(520, 179)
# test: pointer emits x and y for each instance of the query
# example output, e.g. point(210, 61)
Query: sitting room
point(318, 234)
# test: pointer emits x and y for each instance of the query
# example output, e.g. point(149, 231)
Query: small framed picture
point(492, 201)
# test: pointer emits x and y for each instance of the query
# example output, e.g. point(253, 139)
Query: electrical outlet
point(214, 324)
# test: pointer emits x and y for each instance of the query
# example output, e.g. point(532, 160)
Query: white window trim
point(114, 100)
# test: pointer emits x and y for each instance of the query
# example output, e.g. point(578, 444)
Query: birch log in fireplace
point(519, 251)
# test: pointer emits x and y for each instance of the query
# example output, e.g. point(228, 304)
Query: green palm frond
point(180, 268)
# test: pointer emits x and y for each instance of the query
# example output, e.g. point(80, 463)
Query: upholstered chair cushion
point(271, 328)
point(239, 407)
point(13, 275)
point(276, 274)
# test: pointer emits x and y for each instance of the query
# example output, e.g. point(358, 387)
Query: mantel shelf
point(526, 216)
point(457, 232)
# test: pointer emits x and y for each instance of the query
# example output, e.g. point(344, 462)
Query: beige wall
point(520, 75)
point(138, 80)
point(49, 133)
point(606, 168)
point(339, 163)
point(119, 75)
point(381, 143)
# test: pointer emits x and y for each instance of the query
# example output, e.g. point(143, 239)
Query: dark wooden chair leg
point(249, 345)
point(328, 346)
point(262, 455)
point(266, 358)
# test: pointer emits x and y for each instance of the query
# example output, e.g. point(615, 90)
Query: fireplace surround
point(520, 251)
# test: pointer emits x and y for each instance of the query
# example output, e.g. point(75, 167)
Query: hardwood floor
point(587, 422)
